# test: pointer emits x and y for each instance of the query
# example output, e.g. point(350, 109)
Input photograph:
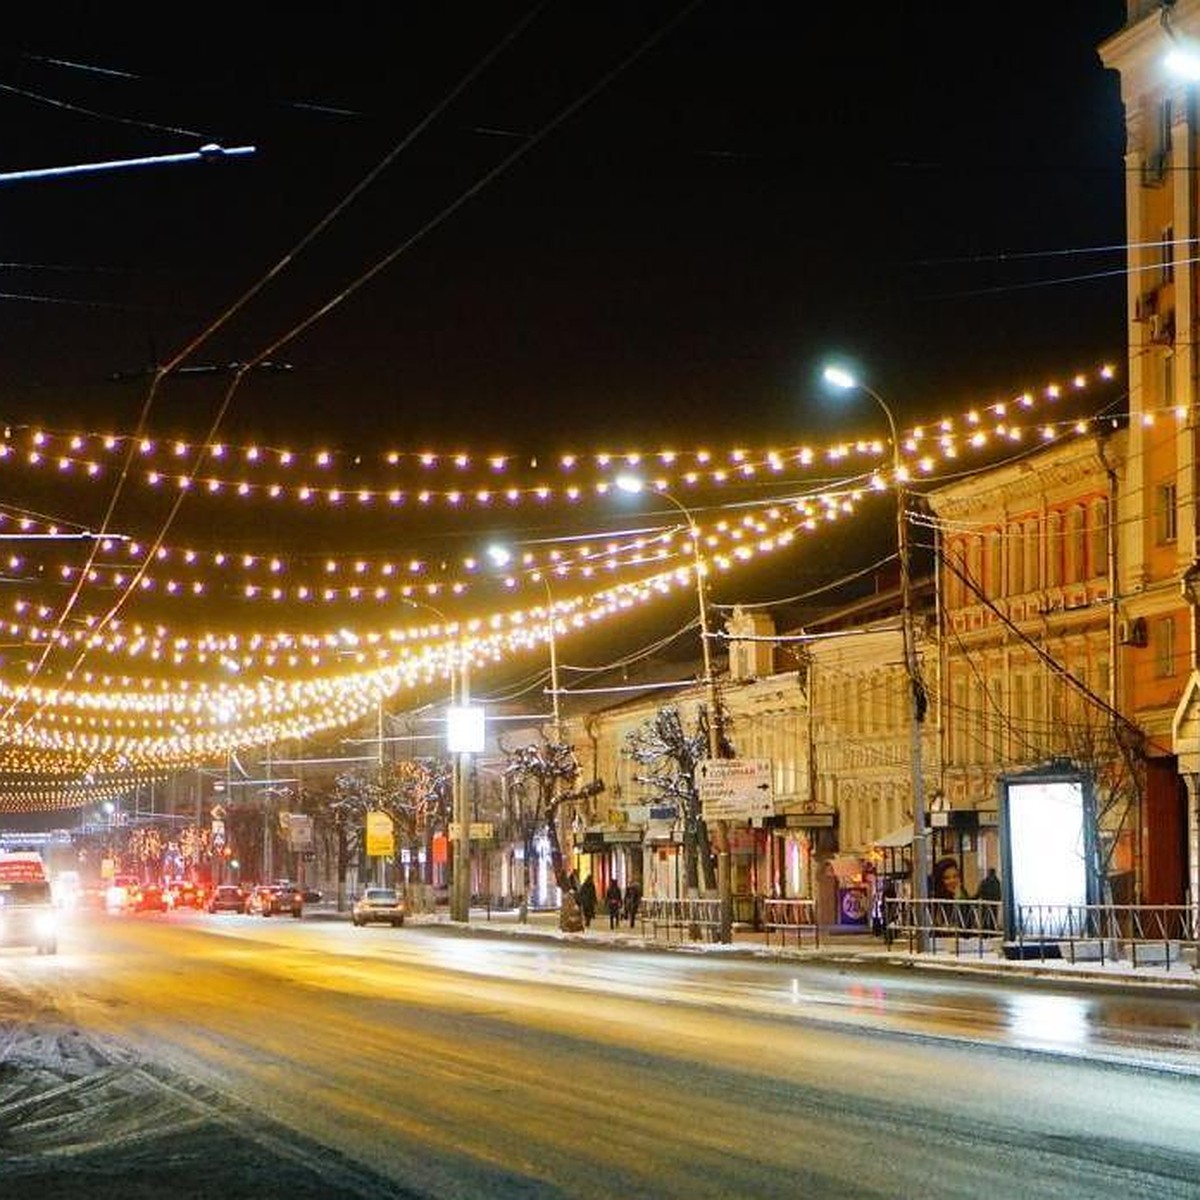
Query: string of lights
point(178, 464)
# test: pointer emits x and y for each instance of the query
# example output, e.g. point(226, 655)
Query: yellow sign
point(381, 837)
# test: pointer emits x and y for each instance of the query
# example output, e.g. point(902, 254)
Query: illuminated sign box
point(1048, 851)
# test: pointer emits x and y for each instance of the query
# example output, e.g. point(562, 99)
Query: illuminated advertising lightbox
point(1047, 853)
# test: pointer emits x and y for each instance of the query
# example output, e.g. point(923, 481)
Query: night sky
point(936, 188)
point(613, 226)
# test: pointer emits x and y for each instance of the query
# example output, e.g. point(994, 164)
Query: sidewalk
point(837, 945)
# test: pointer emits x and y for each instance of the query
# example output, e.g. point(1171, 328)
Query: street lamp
point(501, 556)
point(843, 379)
point(464, 737)
point(633, 485)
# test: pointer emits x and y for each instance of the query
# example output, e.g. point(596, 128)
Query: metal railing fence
point(797, 918)
point(694, 920)
point(1140, 934)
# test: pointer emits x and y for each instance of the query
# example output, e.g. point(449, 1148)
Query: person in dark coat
point(633, 900)
point(612, 898)
point(587, 901)
point(989, 889)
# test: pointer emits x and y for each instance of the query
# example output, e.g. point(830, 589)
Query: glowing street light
point(840, 378)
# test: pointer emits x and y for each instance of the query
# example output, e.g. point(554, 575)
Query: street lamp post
point(920, 861)
point(628, 483)
point(502, 556)
point(463, 738)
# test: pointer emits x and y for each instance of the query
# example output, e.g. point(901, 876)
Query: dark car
point(384, 905)
point(276, 899)
point(227, 898)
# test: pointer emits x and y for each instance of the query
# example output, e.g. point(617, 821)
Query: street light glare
point(629, 483)
point(501, 556)
point(1184, 63)
point(840, 378)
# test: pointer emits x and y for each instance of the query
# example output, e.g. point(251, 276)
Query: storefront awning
point(898, 837)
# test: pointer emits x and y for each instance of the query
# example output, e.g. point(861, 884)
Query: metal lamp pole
point(724, 876)
point(460, 908)
point(460, 880)
point(920, 861)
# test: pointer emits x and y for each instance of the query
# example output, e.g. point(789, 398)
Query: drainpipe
point(1114, 649)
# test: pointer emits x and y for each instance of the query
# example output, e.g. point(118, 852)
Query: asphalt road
point(191, 1055)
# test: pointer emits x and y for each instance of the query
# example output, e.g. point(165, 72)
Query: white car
point(385, 905)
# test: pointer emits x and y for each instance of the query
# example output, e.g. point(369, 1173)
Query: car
point(27, 913)
point(183, 893)
point(379, 904)
point(150, 898)
point(228, 897)
point(275, 899)
point(122, 893)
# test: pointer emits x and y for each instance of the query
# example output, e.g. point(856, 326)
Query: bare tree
point(670, 756)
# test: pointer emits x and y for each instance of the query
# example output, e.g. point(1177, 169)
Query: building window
point(1030, 545)
point(1016, 562)
point(1166, 261)
point(979, 718)
point(995, 566)
point(1154, 165)
point(958, 722)
point(1164, 647)
point(1037, 715)
point(955, 562)
point(1099, 539)
point(1164, 514)
point(975, 566)
point(1076, 546)
point(1168, 380)
point(1054, 550)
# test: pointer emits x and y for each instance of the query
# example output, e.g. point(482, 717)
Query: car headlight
point(46, 924)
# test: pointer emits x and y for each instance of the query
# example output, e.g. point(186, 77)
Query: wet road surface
point(429, 1062)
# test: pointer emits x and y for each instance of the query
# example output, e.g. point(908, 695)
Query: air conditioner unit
point(1132, 632)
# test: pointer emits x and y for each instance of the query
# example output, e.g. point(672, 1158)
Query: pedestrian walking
point(633, 900)
point(587, 901)
point(612, 897)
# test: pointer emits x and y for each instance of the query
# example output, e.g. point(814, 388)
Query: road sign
point(299, 830)
point(480, 831)
point(735, 789)
point(381, 836)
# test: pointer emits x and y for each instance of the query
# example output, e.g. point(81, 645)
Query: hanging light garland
point(177, 465)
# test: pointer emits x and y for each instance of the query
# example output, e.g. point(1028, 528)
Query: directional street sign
point(735, 789)
point(477, 831)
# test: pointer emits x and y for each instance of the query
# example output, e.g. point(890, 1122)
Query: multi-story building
point(1030, 640)
point(1157, 517)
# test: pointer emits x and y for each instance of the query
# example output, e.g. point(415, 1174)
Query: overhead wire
point(225, 316)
